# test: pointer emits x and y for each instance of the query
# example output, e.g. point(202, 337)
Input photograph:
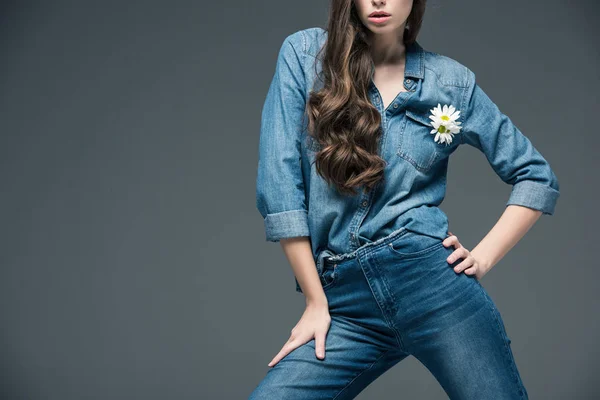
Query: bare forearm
point(299, 254)
point(510, 228)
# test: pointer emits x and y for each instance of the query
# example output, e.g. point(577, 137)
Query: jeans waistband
point(326, 256)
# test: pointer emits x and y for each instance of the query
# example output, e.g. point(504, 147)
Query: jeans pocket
point(413, 245)
point(329, 275)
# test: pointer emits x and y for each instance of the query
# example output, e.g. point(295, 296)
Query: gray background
point(133, 258)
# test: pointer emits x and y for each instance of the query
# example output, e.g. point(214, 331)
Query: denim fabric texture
point(295, 201)
point(392, 298)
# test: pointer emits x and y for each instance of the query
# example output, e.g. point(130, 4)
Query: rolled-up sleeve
point(280, 195)
point(510, 153)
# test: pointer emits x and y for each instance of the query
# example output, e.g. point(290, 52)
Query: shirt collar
point(414, 66)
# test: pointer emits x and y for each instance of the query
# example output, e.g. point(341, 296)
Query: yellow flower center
point(445, 118)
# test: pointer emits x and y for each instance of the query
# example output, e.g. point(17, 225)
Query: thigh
point(471, 356)
point(352, 361)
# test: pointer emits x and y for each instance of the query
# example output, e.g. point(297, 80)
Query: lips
point(379, 14)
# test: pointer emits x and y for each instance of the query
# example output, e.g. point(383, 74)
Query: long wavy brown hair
point(340, 116)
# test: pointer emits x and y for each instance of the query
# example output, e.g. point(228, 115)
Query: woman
point(356, 132)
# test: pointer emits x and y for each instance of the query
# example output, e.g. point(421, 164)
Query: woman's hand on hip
point(470, 265)
point(314, 323)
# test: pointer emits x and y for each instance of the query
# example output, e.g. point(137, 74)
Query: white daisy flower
point(444, 122)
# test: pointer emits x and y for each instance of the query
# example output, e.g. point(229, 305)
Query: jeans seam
point(394, 302)
point(383, 313)
point(509, 358)
point(362, 372)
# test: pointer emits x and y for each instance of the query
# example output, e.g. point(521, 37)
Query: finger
point(457, 243)
point(285, 350)
point(448, 241)
point(451, 241)
point(457, 254)
point(320, 345)
point(472, 270)
point(468, 262)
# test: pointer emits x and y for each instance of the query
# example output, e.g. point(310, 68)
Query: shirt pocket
point(417, 145)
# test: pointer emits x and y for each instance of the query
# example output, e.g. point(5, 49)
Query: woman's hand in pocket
point(469, 265)
point(314, 323)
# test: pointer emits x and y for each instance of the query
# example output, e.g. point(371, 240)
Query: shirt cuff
point(534, 195)
point(286, 224)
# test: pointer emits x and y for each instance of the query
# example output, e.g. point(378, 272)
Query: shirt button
point(364, 203)
point(407, 80)
point(395, 105)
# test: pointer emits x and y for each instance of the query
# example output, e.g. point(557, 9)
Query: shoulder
point(448, 71)
point(308, 40)
point(294, 46)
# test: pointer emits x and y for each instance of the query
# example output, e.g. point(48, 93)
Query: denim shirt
point(295, 201)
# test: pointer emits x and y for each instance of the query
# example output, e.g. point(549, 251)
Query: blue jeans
point(392, 298)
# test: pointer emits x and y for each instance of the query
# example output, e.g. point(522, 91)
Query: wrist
point(483, 263)
point(317, 300)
